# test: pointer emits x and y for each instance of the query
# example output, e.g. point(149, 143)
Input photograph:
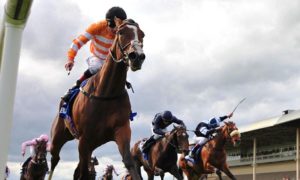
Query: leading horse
point(213, 154)
point(163, 154)
point(37, 167)
point(101, 111)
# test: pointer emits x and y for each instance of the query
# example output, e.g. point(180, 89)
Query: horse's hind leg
point(60, 135)
point(122, 138)
point(219, 173)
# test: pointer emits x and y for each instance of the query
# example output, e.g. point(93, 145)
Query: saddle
point(66, 111)
point(146, 145)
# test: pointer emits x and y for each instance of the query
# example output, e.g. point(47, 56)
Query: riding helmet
point(115, 12)
point(43, 137)
point(167, 115)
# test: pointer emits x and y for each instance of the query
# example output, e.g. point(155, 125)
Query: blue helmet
point(167, 115)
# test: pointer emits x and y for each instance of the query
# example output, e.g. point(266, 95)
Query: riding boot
point(191, 154)
point(68, 94)
point(147, 144)
point(87, 74)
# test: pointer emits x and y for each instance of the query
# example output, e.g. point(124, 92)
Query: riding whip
point(238, 105)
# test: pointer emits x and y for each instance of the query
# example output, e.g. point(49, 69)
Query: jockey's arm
point(48, 147)
point(27, 143)
point(197, 130)
point(157, 130)
point(115, 172)
point(177, 121)
point(222, 118)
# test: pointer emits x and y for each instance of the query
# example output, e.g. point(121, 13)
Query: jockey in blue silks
point(159, 127)
point(204, 132)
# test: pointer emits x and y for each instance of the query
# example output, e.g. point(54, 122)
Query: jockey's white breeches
point(94, 64)
point(200, 140)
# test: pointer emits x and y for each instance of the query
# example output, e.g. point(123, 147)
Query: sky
point(202, 58)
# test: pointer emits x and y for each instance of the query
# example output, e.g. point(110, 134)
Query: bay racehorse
point(37, 167)
point(212, 155)
point(101, 111)
point(162, 155)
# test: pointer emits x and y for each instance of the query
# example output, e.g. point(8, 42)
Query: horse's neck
point(110, 81)
point(168, 143)
point(220, 140)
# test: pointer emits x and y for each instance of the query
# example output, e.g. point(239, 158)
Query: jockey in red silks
point(32, 143)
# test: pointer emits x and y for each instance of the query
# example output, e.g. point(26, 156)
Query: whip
point(238, 105)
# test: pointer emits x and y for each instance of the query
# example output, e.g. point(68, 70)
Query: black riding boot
point(147, 144)
point(68, 94)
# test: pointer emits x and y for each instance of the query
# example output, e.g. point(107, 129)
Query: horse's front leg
point(226, 170)
point(175, 172)
point(122, 138)
point(84, 158)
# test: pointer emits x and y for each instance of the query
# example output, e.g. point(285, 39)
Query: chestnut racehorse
point(37, 167)
point(213, 154)
point(101, 111)
point(162, 155)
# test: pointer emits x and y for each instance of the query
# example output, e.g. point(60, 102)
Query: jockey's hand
point(230, 115)
point(69, 65)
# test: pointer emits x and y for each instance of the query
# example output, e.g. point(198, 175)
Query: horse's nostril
point(132, 55)
point(142, 56)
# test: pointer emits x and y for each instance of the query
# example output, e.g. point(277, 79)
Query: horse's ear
point(226, 123)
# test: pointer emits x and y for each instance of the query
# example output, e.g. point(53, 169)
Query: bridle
point(132, 43)
point(231, 133)
point(177, 147)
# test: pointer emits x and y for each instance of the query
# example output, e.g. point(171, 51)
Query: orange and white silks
point(101, 40)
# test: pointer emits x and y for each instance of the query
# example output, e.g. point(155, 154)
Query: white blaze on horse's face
point(135, 54)
point(135, 43)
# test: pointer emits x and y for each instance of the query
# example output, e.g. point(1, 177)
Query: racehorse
point(101, 111)
point(108, 174)
point(37, 167)
point(162, 155)
point(213, 154)
point(92, 172)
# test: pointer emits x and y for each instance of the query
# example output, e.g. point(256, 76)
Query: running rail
point(16, 13)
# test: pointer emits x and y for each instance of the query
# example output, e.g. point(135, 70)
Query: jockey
point(102, 35)
point(7, 172)
point(111, 168)
point(32, 143)
point(204, 132)
point(159, 127)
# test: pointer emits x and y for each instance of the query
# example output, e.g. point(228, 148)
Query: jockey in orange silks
point(101, 35)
